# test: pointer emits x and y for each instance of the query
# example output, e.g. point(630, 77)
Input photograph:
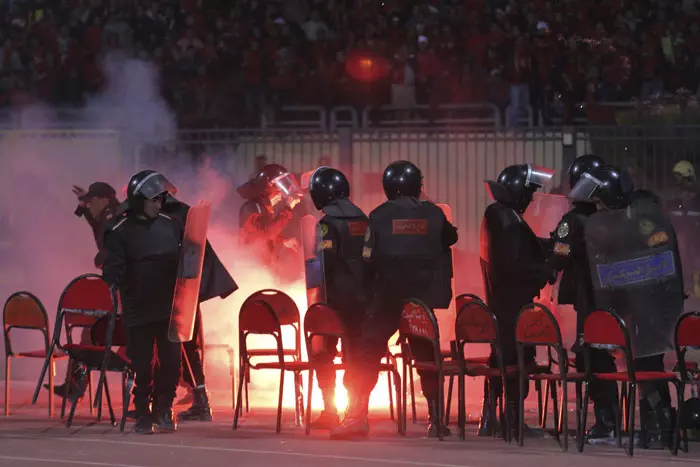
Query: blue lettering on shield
point(637, 271)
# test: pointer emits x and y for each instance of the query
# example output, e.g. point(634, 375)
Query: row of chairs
point(86, 303)
point(536, 326)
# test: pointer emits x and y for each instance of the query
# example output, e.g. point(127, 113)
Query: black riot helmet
point(327, 185)
point(147, 184)
point(581, 165)
point(402, 178)
point(606, 185)
point(517, 183)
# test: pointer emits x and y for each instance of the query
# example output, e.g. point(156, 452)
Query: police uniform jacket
point(407, 251)
point(571, 258)
point(513, 261)
point(341, 233)
point(142, 261)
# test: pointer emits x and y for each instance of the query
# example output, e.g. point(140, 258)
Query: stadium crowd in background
point(224, 62)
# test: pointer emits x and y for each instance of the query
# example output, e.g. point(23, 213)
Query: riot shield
point(635, 270)
point(543, 216)
point(189, 274)
point(313, 261)
point(448, 316)
point(544, 213)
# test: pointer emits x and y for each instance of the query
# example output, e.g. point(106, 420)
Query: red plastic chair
point(84, 300)
point(537, 327)
point(686, 335)
point(117, 360)
point(604, 327)
point(258, 317)
point(288, 315)
point(418, 322)
point(322, 321)
point(476, 324)
point(23, 310)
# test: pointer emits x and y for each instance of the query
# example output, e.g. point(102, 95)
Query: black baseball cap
point(99, 190)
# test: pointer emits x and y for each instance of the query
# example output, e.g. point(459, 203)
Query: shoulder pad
point(502, 216)
point(119, 224)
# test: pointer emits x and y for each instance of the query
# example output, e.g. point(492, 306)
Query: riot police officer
point(143, 251)
point(570, 257)
point(406, 255)
point(269, 219)
point(622, 235)
point(514, 266)
point(340, 237)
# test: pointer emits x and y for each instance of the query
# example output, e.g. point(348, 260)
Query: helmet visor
point(153, 185)
point(585, 188)
point(538, 176)
point(287, 185)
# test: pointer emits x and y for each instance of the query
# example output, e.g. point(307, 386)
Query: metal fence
point(454, 164)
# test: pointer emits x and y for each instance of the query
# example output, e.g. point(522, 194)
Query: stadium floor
point(28, 438)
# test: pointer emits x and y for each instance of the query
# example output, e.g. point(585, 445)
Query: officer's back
point(408, 243)
point(343, 229)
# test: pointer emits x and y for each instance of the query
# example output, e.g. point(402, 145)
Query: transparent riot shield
point(189, 275)
point(543, 216)
point(447, 317)
point(544, 213)
point(313, 260)
point(635, 270)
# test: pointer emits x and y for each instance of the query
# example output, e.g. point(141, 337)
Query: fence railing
point(480, 115)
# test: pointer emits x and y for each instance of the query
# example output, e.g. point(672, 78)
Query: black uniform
point(514, 270)
point(342, 231)
point(576, 289)
point(407, 248)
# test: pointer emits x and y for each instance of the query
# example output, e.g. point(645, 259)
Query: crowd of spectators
point(223, 62)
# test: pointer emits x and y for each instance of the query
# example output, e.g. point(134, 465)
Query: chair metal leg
point(543, 402)
point(8, 363)
point(413, 392)
point(391, 395)
point(679, 416)
point(555, 409)
point(632, 403)
point(448, 406)
point(521, 409)
point(279, 403)
point(239, 396)
point(52, 370)
point(564, 415)
point(461, 415)
point(584, 416)
point(404, 392)
point(441, 404)
point(399, 416)
point(309, 394)
point(99, 410)
point(112, 418)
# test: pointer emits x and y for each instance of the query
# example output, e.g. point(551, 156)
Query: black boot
point(433, 418)
point(603, 430)
point(200, 409)
point(144, 420)
point(659, 427)
point(329, 417)
point(488, 425)
point(355, 424)
point(528, 431)
point(73, 383)
point(164, 418)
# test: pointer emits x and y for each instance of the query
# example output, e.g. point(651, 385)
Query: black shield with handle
point(636, 272)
